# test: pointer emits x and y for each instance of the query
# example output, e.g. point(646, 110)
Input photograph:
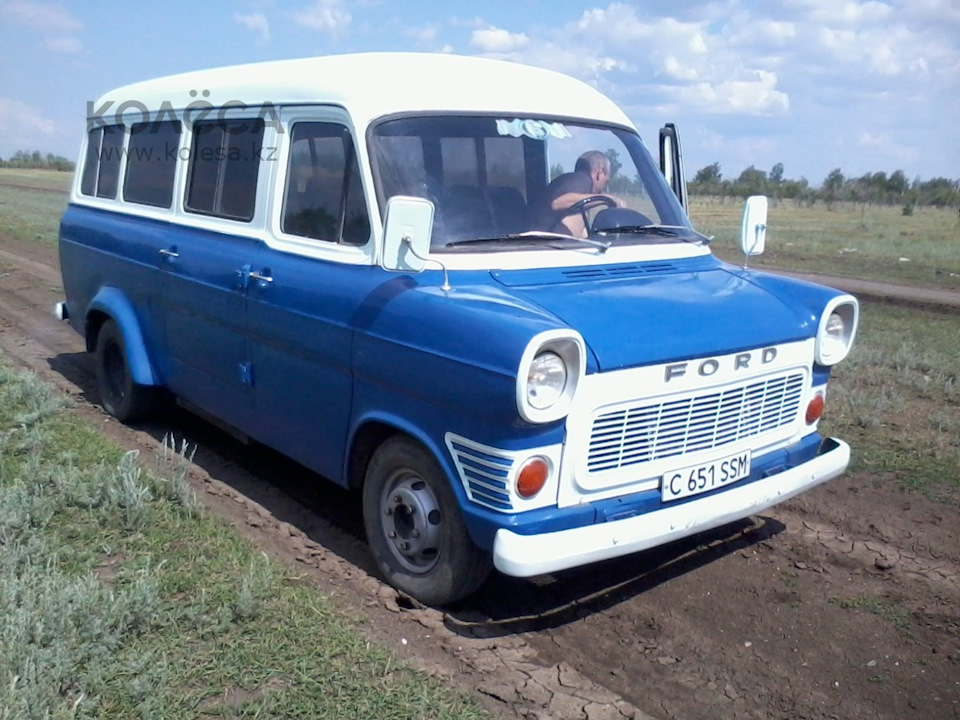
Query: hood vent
point(593, 273)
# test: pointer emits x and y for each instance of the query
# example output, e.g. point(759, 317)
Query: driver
point(588, 179)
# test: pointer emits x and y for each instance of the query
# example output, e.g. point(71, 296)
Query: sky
point(860, 85)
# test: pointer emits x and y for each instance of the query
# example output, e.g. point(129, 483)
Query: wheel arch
point(111, 304)
point(372, 431)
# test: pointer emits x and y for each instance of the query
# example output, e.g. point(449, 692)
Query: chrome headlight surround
point(551, 368)
point(837, 329)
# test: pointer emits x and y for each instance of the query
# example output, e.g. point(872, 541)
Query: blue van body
point(692, 387)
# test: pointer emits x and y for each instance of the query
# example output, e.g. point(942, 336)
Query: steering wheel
point(581, 206)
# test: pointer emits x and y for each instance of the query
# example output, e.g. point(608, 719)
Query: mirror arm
point(446, 286)
point(757, 229)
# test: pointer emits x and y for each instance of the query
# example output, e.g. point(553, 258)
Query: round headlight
point(546, 380)
point(833, 343)
point(838, 326)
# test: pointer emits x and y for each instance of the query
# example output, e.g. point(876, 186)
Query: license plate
point(697, 479)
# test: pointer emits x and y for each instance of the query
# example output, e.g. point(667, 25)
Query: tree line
point(37, 160)
point(871, 188)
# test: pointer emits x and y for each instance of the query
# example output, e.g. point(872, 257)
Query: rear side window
point(151, 163)
point(324, 198)
point(101, 167)
point(224, 164)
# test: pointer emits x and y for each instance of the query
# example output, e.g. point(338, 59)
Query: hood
point(647, 313)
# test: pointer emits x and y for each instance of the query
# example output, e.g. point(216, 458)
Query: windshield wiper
point(535, 235)
point(661, 230)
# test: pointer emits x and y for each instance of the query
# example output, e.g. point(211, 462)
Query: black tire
point(120, 395)
point(414, 527)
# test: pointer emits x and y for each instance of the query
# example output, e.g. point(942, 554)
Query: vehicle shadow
point(505, 605)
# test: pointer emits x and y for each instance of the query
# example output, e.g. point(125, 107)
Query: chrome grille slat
point(630, 436)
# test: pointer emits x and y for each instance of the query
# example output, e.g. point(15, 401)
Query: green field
point(869, 242)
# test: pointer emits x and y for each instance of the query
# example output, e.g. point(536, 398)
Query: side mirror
point(406, 234)
point(753, 231)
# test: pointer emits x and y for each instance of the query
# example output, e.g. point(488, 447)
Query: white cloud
point(675, 69)
point(424, 34)
point(22, 127)
point(324, 15)
point(41, 17)
point(497, 40)
point(757, 96)
point(55, 23)
point(63, 45)
point(256, 22)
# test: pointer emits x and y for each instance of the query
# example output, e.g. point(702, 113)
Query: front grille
point(638, 434)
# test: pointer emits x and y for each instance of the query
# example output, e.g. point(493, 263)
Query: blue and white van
point(345, 258)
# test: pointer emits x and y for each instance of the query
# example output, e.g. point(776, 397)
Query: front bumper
point(527, 555)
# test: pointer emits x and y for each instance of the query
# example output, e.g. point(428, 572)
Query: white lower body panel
point(527, 555)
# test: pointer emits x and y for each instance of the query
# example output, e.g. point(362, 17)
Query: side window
point(505, 163)
point(101, 167)
point(324, 198)
point(224, 163)
point(151, 162)
point(460, 165)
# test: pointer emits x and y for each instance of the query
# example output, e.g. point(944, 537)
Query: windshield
point(510, 182)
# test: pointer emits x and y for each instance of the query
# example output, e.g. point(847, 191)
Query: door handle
point(259, 277)
point(172, 252)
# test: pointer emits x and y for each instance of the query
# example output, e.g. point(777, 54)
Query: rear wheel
point(120, 395)
point(414, 526)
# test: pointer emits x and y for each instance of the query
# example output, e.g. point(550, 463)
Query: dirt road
point(840, 604)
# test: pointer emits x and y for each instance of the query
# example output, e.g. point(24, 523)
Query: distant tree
point(37, 160)
point(751, 182)
point(871, 187)
point(897, 185)
point(708, 181)
point(832, 187)
point(709, 175)
point(776, 174)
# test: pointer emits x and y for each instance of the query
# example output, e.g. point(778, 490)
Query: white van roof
point(370, 85)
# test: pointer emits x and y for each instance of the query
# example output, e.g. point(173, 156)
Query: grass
point(29, 214)
point(41, 179)
point(896, 398)
point(896, 616)
point(121, 598)
point(874, 242)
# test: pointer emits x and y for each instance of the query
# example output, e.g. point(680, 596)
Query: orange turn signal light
point(532, 477)
point(815, 409)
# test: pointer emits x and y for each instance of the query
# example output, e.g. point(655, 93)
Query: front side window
point(151, 163)
point(492, 179)
point(101, 166)
point(323, 199)
point(224, 165)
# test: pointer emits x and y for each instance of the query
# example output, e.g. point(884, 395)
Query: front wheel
point(120, 395)
point(414, 526)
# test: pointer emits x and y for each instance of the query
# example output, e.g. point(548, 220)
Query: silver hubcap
point(411, 521)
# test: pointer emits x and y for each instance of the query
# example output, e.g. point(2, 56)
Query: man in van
point(588, 179)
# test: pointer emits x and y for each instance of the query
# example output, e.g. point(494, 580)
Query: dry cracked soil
point(842, 603)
